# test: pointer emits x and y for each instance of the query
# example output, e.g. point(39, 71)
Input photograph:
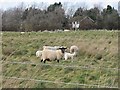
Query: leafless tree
point(1, 12)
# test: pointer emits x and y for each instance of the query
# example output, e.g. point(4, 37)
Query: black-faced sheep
point(52, 54)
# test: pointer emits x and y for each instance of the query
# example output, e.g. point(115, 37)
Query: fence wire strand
point(63, 66)
point(58, 65)
point(47, 81)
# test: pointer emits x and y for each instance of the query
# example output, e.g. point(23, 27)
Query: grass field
point(97, 58)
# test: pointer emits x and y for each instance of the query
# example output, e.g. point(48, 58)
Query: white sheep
point(38, 53)
point(66, 30)
point(74, 49)
point(50, 47)
point(52, 54)
point(22, 32)
point(69, 55)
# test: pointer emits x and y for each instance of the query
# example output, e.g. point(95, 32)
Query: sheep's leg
point(44, 61)
point(41, 60)
point(58, 61)
point(72, 57)
point(55, 59)
point(67, 58)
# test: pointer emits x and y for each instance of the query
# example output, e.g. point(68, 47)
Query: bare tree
point(99, 6)
point(119, 8)
point(21, 6)
point(12, 19)
point(42, 6)
point(1, 12)
point(84, 6)
point(71, 11)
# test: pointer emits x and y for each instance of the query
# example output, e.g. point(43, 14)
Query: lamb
point(52, 54)
point(74, 49)
point(69, 55)
point(38, 53)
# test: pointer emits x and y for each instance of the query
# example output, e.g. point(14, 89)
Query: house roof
point(87, 18)
point(80, 19)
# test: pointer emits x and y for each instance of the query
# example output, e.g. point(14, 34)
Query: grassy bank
point(97, 49)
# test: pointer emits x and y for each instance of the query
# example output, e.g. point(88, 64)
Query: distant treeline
point(54, 17)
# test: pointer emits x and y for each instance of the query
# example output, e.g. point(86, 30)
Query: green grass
point(97, 49)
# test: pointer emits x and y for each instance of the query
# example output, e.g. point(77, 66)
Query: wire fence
point(59, 65)
point(56, 65)
point(62, 66)
point(10, 54)
point(47, 81)
point(5, 61)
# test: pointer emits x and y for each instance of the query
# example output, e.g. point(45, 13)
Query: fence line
point(64, 66)
point(47, 81)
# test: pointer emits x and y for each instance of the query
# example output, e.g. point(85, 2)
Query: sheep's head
point(62, 49)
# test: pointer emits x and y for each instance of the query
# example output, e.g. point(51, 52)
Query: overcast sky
point(5, 4)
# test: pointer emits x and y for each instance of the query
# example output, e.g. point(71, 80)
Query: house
point(84, 22)
point(87, 23)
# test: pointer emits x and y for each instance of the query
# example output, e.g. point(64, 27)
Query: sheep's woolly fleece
point(52, 54)
point(69, 55)
point(74, 49)
point(38, 53)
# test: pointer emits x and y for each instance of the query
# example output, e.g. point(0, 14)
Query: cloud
point(4, 4)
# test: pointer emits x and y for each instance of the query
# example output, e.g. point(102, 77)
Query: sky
point(6, 4)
